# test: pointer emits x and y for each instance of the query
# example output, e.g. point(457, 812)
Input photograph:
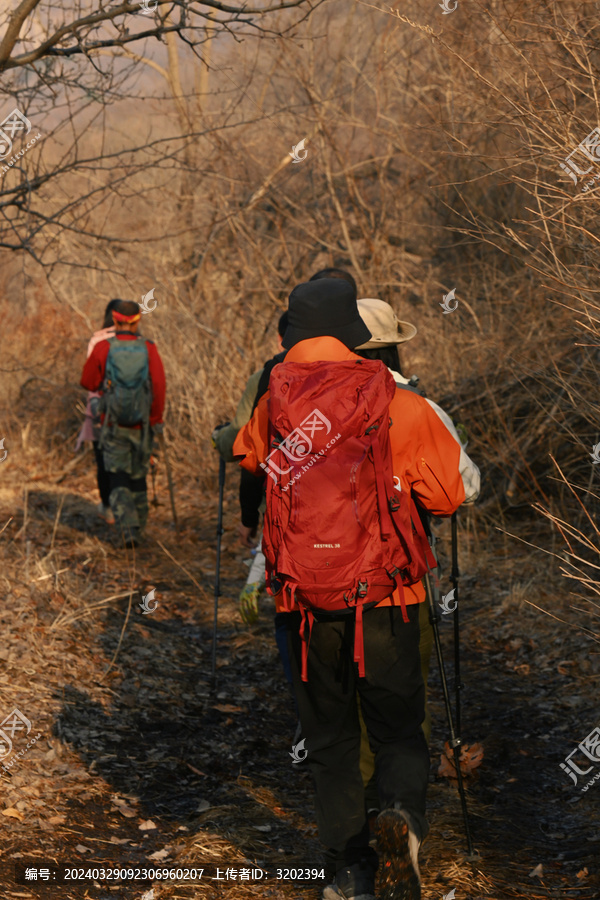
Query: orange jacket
point(425, 454)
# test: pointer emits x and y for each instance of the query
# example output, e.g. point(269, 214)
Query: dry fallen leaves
point(83, 849)
point(470, 758)
point(124, 807)
point(159, 855)
point(12, 813)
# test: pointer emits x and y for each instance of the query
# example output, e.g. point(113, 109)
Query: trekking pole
point(454, 576)
point(432, 591)
point(163, 447)
point(213, 670)
point(154, 500)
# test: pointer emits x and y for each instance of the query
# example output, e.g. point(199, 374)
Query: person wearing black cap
point(252, 487)
point(324, 325)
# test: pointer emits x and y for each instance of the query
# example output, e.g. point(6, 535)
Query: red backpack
point(339, 533)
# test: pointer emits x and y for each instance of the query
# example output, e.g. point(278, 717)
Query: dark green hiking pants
point(367, 759)
point(392, 700)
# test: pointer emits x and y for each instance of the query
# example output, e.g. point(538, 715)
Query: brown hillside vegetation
point(437, 149)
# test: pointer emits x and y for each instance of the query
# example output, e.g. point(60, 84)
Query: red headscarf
point(128, 320)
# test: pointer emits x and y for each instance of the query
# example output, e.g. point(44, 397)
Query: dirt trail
point(139, 765)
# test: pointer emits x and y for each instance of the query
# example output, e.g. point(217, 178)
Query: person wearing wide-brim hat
point(388, 332)
point(324, 325)
point(383, 323)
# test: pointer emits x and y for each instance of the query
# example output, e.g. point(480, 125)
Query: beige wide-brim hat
point(385, 327)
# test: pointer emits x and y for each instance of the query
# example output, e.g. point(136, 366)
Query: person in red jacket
point(133, 404)
point(324, 326)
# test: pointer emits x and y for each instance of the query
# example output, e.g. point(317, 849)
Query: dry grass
point(433, 163)
point(145, 739)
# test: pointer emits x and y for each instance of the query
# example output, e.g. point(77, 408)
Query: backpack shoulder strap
point(411, 388)
point(263, 381)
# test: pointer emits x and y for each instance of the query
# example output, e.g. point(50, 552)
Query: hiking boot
point(131, 537)
point(398, 847)
point(140, 499)
point(106, 513)
point(355, 882)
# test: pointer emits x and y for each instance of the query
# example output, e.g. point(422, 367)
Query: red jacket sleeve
point(93, 371)
point(159, 384)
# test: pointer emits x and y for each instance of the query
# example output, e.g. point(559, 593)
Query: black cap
point(325, 308)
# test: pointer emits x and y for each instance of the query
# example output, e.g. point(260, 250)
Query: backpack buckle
point(394, 504)
point(363, 589)
point(275, 584)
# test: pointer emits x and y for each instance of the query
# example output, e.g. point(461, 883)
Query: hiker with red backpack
point(252, 486)
point(127, 368)
point(346, 454)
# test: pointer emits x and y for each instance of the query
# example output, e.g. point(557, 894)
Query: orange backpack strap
point(359, 641)
point(307, 618)
point(382, 500)
point(396, 574)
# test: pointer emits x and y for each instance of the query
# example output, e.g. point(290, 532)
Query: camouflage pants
point(126, 454)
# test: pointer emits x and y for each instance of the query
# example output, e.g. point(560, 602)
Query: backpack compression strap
point(307, 618)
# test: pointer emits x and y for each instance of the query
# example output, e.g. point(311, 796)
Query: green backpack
point(127, 389)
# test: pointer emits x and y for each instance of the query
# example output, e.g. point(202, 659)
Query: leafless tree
point(64, 64)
